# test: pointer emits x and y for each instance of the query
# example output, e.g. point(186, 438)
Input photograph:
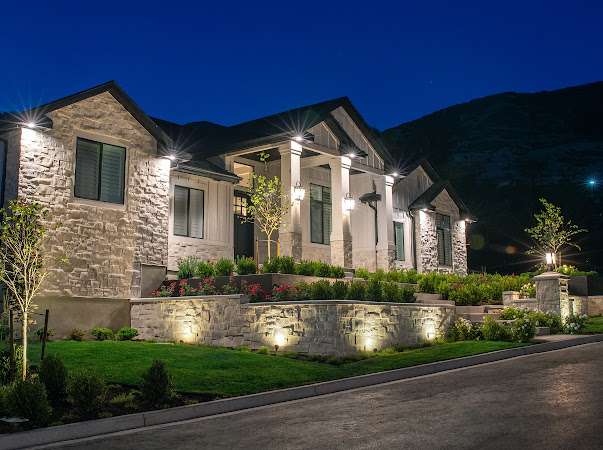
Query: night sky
point(228, 62)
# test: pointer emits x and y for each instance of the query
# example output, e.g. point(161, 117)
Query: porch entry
point(243, 231)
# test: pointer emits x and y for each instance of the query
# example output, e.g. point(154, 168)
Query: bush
point(374, 290)
point(523, 329)
point(204, 269)
point(408, 294)
point(186, 267)
point(302, 291)
point(463, 330)
point(493, 331)
point(53, 374)
point(224, 267)
point(528, 290)
point(272, 265)
point(322, 269)
point(101, 333)
point(126, 334)
point(321, 290)
point(511, 313)
point(574, 323)
point(542, 319)
point(340, 290)
point(337, 272)
point(27, 399)
point(77, 334)
point(283, 293)
point(287, 264)
point(356, 290)
point(305, 268)
point(391, 292)
point(6, 371)
point(40, 333)
point(246, 266)
point(254, 291)
point(88, 394)
point(156, 388)
point(362, 273)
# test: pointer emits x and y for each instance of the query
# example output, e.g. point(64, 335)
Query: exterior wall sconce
point(348, 202)
point(298, 192)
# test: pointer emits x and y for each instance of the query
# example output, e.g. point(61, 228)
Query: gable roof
point(424, 200)
point(39, 112)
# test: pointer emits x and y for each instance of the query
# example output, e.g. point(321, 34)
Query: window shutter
point(112, 174)
point(180, 211)
point(87, 160)
point(316, 221)
point(399, 237)
point(448, 247)
point(196, 213)
point(326, 211)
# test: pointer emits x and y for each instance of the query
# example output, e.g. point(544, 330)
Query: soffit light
point(348, 202)
point(298, 192)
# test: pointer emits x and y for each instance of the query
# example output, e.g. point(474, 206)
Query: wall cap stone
point(241, 297)
point(351, 302)
point(551, 276)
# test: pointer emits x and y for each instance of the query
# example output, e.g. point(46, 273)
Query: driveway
point(545, 401)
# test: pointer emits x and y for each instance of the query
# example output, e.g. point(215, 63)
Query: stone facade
point(323, 327)
point(105, 244)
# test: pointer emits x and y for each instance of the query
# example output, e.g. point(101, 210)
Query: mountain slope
point(503, 152)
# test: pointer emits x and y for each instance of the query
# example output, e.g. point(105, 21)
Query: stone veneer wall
point(105, 244)
point(324, 327)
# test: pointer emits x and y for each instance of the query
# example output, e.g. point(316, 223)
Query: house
point(128, 195)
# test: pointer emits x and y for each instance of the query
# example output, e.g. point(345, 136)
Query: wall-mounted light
point(298, 192)
point(171, 157)
point(298, 138)
point(351, 155)
point(348, 202)
point(30, 125)
point(394, 174)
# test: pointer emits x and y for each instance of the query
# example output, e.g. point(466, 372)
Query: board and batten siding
point(324, 136)
point(409, 188)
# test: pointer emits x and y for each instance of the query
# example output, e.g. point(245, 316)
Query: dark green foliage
point(272, 265)
point(337, 272)
point(6, 372)
point(392, 292)
point(126, 334)
point(494, 331)
point(77, 334)
point(303, 291)
point(374, 290)
point(224, 267)
point(408, 294)
point(53, 374)
point(156, 389)
point(287, 264)
point(340, 290)
point(186, 267)
point(322, 269)
point(102, 333)
point(305, 268)
point(204, 269)
point(356, 290)
point(321, 290)
point(522, 330)
point(40, 333)
point(362, 273)
point(88, 394)
point(246, 266)
point(27, 399)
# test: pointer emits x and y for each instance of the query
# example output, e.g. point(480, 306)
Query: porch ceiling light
point(348, 202)
point(298, 192)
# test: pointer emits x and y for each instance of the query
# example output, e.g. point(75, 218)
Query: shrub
point(53, 374)
point(156, 388)
point(462, 330)
point(511, 313)
point(408, 294)
point(165, 291)
point(356, 290)
point(303, 291)
point(374, 290)
point(362, 273)
point(4, 411)
point(254, 291)
point(305, 268)
point(272, 265)
point(379, 275)
point(230, 287)
point(283, 293)
point(186, 267)
point(40, 333)
point(527, 290)
point(77, 334)
point(224, 267)
point(574, 323)
point(321, 290)
point(246, 266)
point(207, 286)
point(391, 292)
point(322, 269)
point(185, 289)
point(126, 334)
point(340, 290)
point(6, 372)
point(204, 269)
point(88, 394)
point(542, 319)
point(101, 333)
point(27, 399)
point(523, 329)
point(337, 272)
point(287, 264)
point(494, 331)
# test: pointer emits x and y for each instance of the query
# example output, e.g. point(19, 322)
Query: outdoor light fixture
point(30, 125)
point(351, 155)
point(348, 202)
point(394, 174)
point(279, 338)
point(298, 138)
point(550, 259)
point(171, 157)
point(430, 330)
point(298, 192)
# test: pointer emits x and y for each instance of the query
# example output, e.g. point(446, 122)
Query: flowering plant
point(165, 291)
point(186, 289)
point(255, 292)
point(574, 323)
point(208, 286)
point(283, 293)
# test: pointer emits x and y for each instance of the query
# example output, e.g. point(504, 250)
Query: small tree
point(268, 205)
point(552, 232)
point(21, 260)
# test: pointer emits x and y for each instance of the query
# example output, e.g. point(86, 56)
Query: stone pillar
point(341, 231)
point(385, 224)
point(552, 294)
point(509, 296)
point(290, 230)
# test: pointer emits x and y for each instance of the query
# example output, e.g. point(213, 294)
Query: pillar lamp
point(348, 202)
point(298, 192)
point(550, 260)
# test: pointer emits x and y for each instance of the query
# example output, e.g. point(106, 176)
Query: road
point(546, 401)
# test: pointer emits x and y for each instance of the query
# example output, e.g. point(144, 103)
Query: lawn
point(594, 325)
point(222, 372)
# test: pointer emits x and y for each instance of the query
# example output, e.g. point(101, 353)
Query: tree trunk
point(269, 246)
point(24, 342)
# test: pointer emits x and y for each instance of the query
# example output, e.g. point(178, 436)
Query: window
point(188, 212)
point(244, 172)
point(320, 214)
point(399, 239)
point(444, 240)
point(240, 205)
point(3, 153)
point(99, 171)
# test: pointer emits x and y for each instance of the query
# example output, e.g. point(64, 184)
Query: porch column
point(385, 223)
point(290, 230)
point(341, 231)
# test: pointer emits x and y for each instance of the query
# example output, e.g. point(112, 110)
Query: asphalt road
point(547, 401)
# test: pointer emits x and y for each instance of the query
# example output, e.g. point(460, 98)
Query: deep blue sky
point(228, 62)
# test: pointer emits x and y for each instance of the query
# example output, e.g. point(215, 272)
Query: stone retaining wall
point(332, 327)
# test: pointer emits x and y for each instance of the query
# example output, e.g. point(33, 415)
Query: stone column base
point(385, 258)
point(291, 245)
point(341, 253)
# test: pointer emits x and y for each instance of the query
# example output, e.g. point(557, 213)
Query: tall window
point(245, 173)
point(3, 153)
point(443, 232)
point(399, 238)
point(188, 212)
point(99, 171)
point(320, 214)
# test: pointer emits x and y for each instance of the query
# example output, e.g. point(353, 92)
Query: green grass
point(225, 372)
point(594, 325)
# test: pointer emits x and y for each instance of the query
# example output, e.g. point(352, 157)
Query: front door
point(243, 231)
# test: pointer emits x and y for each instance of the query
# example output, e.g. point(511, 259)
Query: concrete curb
point(91, 428)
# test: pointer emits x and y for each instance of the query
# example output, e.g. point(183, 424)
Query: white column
point(341, 231)
point(385, 223)
point(290, 231)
